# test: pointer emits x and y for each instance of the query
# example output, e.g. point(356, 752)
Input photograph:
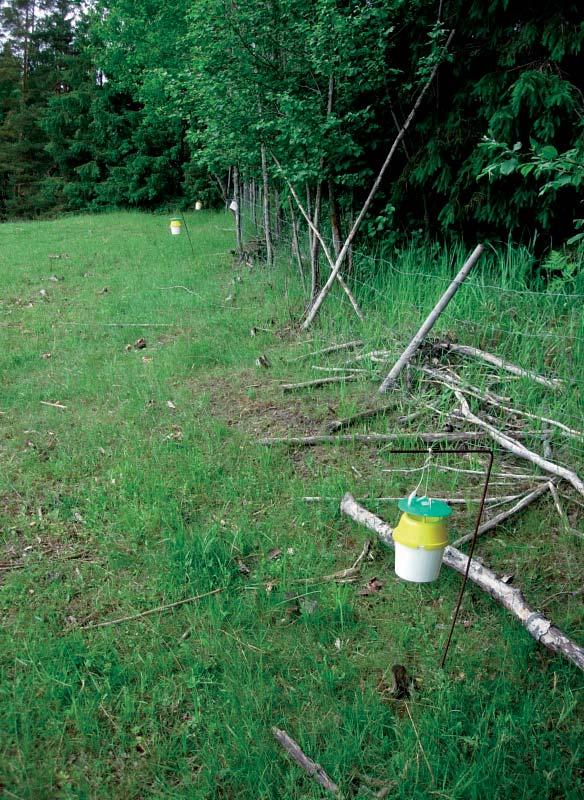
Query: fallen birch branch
point(338, 424)
point(53, 405)
point(373, 191)
point(519, 506)
point(157, 610)
point(371, 438)
point(474, 352)
point(445, 468)
point(429, 322)
point(519, 449)
point(309, 766)
point(292, 387)
point(454, 382)
point(326, 350)
point(452, 500)
point(510, 597)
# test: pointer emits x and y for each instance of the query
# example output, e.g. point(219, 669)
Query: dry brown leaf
point(371, 587)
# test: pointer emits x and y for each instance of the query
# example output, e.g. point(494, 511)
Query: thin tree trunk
point(295, 245)
point(373, 191)
point(266, 204)
point(315, 248)
point(237, 198)
point(335, 219)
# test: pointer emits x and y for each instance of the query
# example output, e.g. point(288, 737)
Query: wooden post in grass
point(428, 324)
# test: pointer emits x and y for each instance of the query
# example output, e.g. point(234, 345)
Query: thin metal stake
point(459, 452)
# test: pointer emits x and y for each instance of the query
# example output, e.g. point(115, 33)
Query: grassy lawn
point(130, 478)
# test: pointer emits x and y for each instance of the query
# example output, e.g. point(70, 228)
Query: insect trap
point(421, 534)
point(175, 227)
point(420, 538)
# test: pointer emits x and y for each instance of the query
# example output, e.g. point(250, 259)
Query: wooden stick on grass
point(157, 610)
point(326, 350)
point(371, 438)
point(519, 449)
point(510, 597)
point(474, 352)
point(429, 322)
point(309, 766)
point(519, 506)
point(292, 387)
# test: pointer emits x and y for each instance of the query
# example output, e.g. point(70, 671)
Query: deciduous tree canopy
point(148, 104)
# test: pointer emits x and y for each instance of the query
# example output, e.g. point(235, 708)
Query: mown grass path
point(130, 479)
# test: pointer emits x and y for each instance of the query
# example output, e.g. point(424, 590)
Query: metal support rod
point(459, 452)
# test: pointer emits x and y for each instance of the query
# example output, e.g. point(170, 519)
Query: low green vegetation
point(131, 479)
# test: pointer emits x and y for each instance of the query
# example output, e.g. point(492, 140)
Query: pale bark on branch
point(430, 320)
point(309, 766)
point(519, 449)
point(489, 358)
point(510, 597)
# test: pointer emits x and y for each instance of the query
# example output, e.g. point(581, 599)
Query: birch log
point(373, 191)
point(519, 449)
point(430, 320)
point(510, 597)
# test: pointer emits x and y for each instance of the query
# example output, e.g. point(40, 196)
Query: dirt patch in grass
point(258, 407)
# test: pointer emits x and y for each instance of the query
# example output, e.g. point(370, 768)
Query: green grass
point(148, 489)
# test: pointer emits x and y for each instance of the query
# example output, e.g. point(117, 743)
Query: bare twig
point(420, 745)
point(338, 424)
point(53, 405)
point(429, 322)
point(332, 349)
point(157, 610)
point(558, 504)
point(371, 438)
point(474, 352)
point(499, 500)
point(574, 593)
point(504, 515)
point(519, 449)
point(354, 370)
point(292, 387)
point(510, 597)
point(309, 766)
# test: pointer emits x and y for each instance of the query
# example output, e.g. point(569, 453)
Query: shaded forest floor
point(130, 407)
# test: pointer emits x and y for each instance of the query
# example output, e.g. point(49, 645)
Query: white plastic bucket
point(175, 227)
point(198, 205)
point(416, 564)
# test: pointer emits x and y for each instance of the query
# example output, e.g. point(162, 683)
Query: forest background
point(154, 105)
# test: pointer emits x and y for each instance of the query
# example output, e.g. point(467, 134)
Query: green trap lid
point(424, 507)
